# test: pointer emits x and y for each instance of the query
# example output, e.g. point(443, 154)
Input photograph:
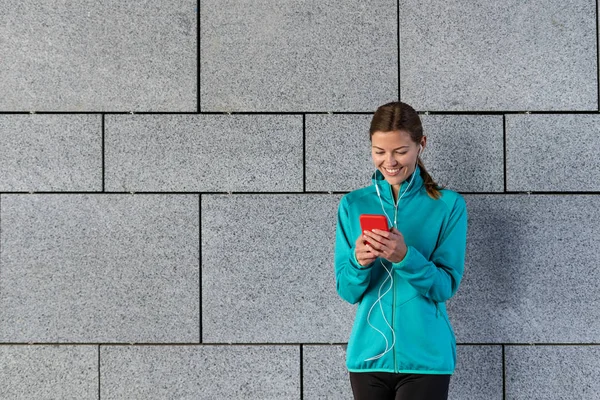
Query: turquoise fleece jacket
point(435, 233)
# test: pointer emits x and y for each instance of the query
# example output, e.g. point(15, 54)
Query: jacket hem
point(402, 371)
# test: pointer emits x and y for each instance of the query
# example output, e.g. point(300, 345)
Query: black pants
point(383, 385)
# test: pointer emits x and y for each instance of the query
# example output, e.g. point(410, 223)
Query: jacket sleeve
point(439, 278)
point(351, 279)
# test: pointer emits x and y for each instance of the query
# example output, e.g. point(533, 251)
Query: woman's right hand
point(364, 256)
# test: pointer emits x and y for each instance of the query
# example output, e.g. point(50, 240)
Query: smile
point(392, 171)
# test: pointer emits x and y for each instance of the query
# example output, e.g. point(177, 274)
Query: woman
point(402, 344)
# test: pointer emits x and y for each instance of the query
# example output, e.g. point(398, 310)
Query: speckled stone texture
point(552, 372)
point(338, 152)
point(267, 270)
point(50, 152)
point(298, 55)
point(531, 271)
point(501, 56)
point(478, 374)
point(49, 372)
point(465, 152)
point(200, 372)
point(99, 268)
point(553, 152)
point(204, 153)
point(107, 55)
point(325, 373)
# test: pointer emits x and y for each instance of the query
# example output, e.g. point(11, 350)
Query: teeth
point(392, 171)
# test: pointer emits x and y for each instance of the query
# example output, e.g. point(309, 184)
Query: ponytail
point(433, 189)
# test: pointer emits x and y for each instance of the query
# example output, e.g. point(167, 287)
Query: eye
point(379, 152)
point(404, 152)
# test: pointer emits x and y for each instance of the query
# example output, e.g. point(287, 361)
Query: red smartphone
point(368, 222)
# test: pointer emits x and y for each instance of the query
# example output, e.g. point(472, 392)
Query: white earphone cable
point(390, 277)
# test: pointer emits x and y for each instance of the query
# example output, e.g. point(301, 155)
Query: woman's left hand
point(389, 245)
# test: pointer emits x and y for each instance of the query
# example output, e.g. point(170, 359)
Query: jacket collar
point(385, 189)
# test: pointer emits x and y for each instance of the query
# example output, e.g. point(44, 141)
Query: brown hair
point(398, 116)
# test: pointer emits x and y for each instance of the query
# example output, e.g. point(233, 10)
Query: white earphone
point(388, 347)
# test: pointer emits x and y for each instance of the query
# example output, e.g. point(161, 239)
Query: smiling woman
point(397, 142)
point(402, 343)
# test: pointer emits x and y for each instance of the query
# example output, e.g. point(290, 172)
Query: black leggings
point(384, 385)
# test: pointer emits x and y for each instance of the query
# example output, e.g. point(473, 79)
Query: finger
point(374, 237)
point(396, 232)
point(383, 244)
point(360, 242)
point(365, 255)
point(374, 244)
point(374, 251)
point(384, 234)
point(369, 259)
point(386, 247)
point(363, 241)
point(363, 248)
point(376, 254)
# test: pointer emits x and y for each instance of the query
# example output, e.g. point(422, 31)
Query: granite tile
point(99, 268)
point(48, 372)
point(50, 152)
point(290, 55)
point(552, 372)
point(200, 372)
point(499, 56)
point(193, 153)
point(547, 152)
point(105, 55)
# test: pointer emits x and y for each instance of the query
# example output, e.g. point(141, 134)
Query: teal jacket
point(435, 233)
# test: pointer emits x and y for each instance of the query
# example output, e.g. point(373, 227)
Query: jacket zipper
point(396, 203)
point(393, 328)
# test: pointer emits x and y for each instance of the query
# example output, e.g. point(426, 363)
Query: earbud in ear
point(420, 149)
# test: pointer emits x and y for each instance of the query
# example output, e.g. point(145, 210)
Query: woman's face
point(395, 155)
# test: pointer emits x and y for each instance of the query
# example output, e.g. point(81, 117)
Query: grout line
point(103, 153)
point(503, 372)
point(301, 372)
point(200, 266)
point(597, 58)
point(504, 149)
point(99, 377)
point(422, 112)
point(398, 40)
point(304, 153)
point(294, 344)
point(198, 70)
point(538, 193)
point(0, 242)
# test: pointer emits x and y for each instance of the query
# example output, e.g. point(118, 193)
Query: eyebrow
point(397, 148)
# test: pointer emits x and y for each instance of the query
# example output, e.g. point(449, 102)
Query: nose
point(390, 160)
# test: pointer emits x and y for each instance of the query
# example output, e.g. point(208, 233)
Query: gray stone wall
point(170, 173)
